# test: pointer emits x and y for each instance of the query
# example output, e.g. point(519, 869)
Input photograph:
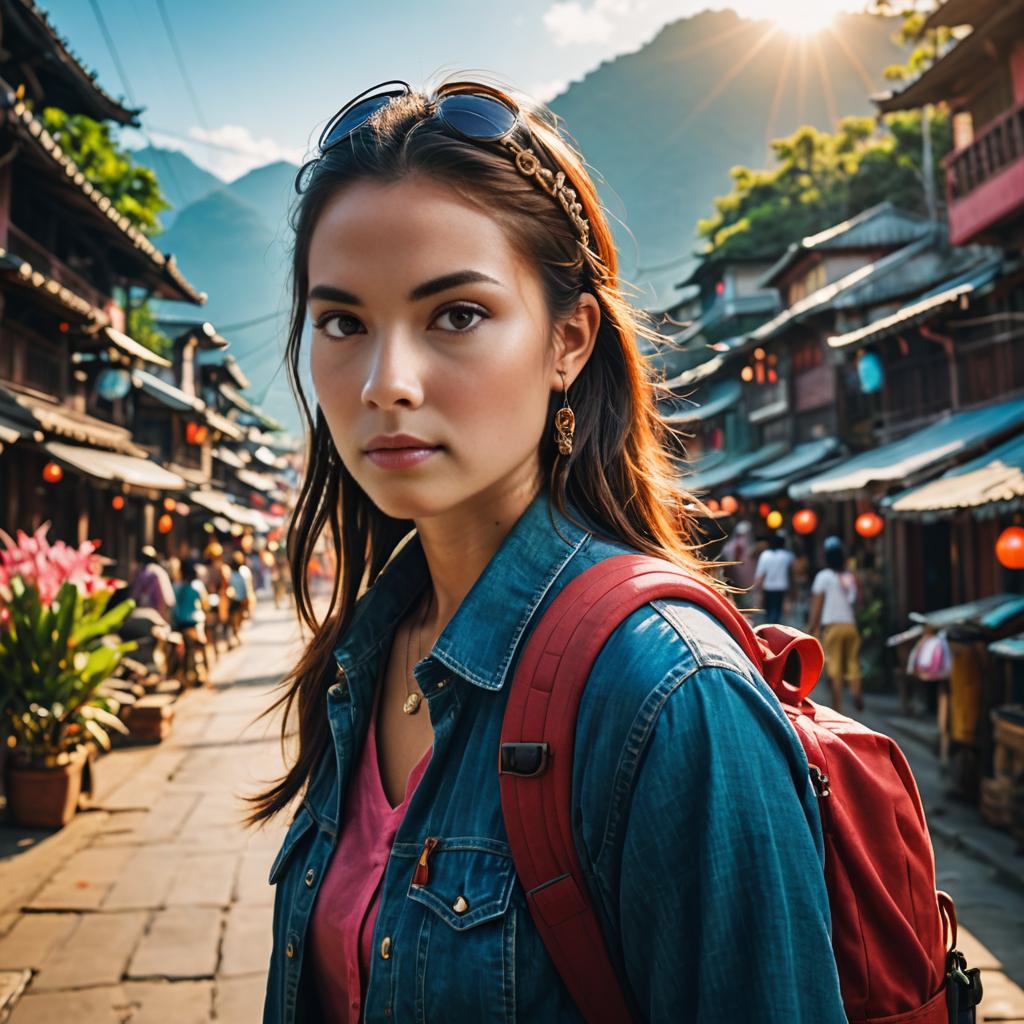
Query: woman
point(772, 576)
point(191, 604)
point(834, 610)
point(461, 280)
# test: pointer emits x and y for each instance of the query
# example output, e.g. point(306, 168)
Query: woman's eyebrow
point(439, 284)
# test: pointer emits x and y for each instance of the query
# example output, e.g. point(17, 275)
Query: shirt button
point(385, 948)
point(441, 685)
point(310, 877)
point(461, 905)
point(289, 950)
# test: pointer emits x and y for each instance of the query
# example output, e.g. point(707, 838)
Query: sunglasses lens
point(478, 117)
point(356, 116)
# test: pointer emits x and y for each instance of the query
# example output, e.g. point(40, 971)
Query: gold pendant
point(412, 704)
point(565, 425)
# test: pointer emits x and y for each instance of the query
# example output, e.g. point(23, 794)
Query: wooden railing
point(46, 262)
point(999, 145)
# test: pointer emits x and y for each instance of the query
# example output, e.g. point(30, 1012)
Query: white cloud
point(228, 151)
point(572, 23)
point(547, 91)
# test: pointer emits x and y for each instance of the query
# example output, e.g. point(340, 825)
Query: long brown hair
point(621, 474)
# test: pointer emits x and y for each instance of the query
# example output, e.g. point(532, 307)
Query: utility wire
point(126, 85)
point(169, 29)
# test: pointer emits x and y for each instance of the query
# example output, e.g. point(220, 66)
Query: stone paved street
point(153, 906)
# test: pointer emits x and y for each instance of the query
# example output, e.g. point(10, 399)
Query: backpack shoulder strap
point(538, 740)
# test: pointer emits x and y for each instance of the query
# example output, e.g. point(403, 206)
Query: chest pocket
point(301, 826)
point(465, 966)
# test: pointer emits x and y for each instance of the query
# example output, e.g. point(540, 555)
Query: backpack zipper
point(822, 790)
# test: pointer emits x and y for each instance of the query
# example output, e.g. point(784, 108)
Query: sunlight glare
point(801, 17)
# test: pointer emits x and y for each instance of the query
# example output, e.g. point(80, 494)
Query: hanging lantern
point(763, 509)
point(165, 523)
point(195, 433)
point(805, 521)
point(730, 505)
point(117, 502)
point(52, 473)
point(712, 505)
point(774, 519)
point(169, 504)
point(246, 542)
point(1010, 548)
point(869, 524)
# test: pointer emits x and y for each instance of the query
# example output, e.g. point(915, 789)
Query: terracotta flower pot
point(45, 797)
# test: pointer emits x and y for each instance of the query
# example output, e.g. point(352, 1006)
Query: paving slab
point(182, 942)
point(248, 940)
point(95, 953)
point(34, 937)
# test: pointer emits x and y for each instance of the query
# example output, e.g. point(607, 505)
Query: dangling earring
point(565, 422)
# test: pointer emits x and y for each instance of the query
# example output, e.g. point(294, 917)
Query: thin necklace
point(413, 699)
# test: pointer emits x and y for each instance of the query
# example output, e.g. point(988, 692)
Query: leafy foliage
point(132, 189)
point(822, 178)
point(56, 648)
point(927, 44)
point(141, 325)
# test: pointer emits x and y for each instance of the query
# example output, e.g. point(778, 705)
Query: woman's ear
point(575, 338)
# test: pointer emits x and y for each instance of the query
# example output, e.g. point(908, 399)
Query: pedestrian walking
point(190, 608)
point(834, 599)
point(152, 587)
point(484, 435)
point(772, 576)
point(739, 549)
point(241, 596)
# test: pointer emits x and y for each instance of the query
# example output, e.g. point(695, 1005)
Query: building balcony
point(23, 245)
point(985, 181)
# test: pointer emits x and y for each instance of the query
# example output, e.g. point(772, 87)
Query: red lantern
point(277, 509)
point(52, 473)
point(805, 521)
point(869, 524)
point(730, 505)
point(763, 509)
point(165, 523)
point(117, 502)
point(169, 504)
point(712, 505)
point(195, 433)
point(1010, 548)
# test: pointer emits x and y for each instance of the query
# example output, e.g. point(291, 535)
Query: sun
point(799, 17)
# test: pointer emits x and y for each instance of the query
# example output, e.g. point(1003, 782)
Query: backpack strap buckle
point(527, 760)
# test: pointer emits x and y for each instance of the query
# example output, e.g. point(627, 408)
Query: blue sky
point(268, 74)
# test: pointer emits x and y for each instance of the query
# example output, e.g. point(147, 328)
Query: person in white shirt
point(834, 595)
point(772, 576)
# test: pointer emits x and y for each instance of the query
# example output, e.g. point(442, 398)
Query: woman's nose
point(394, 373)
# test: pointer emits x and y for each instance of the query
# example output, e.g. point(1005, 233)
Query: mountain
point(181, 181)
point(660, 128)
point(664, 125)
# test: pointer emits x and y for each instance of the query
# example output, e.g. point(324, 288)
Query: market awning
point(224, 425)
point(55, 418)
point(104, 465)
point(915, 312)
point(221, 504)
point(989, 485)
point(257, 481)
point(722, 395)
point(12, 430)
point(775, 477)
point(168, 394)
point(709, 475)
point(228, 457)
point(925, 451)
point(985, 615)
point(129, 346)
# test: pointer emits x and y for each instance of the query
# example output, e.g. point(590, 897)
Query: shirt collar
point(481, 638)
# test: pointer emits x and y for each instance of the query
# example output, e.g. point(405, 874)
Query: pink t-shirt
point(349, 897)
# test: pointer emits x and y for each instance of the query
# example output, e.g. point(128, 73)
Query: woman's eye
point(460, 319)
point(346, 325)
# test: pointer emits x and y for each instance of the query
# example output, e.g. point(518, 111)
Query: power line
point(126, 85)
point(251, 323)
point(169, 29)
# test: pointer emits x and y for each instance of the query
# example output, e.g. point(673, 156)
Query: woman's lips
point(400, 458)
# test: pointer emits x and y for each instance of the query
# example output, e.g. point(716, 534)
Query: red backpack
point(890, 928)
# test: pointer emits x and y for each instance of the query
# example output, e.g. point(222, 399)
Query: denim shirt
point(696, 822)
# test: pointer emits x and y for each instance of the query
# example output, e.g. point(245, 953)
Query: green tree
point(927, 43)
point(134, 190)
point(822, 178)
point(141, 325)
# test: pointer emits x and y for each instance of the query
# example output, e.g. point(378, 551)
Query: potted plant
point(56, 651)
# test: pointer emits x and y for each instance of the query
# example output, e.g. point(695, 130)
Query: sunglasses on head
point(468, 110)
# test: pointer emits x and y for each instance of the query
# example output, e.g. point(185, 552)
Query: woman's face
point(427, 323)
